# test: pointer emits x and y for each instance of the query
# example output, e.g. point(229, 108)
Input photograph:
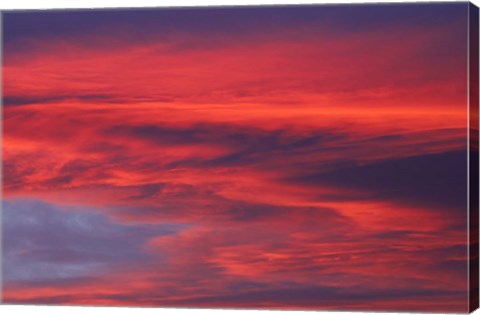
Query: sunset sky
point(303, 157)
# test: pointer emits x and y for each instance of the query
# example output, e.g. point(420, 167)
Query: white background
point(45, 4)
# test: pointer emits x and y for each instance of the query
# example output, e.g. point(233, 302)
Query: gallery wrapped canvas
point(303, 157)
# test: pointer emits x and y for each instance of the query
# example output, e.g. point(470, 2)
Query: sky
point(302, 157)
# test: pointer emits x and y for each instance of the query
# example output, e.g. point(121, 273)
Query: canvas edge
point(473, 158)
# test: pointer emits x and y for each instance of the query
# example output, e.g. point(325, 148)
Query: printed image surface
point(302, 157)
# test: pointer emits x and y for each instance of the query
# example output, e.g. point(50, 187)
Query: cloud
point(351, 298)
point(431, 180)
point(45, 243)
point(196, 62)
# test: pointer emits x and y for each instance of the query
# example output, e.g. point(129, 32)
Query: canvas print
point(303, 157)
